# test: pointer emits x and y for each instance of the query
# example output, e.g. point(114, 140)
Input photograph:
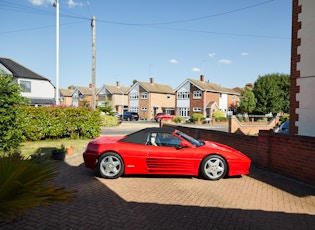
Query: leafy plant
point(272, 92)
point(57, 122)
point(218, 113)
point(27, 183)
point(196, 116)
point(10, 115)
point(177, 119)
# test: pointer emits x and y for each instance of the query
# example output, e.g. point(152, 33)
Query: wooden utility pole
point(93, 63)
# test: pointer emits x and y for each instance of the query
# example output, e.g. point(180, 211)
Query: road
point(127, 127)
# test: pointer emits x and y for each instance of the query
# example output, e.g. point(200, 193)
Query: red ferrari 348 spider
point(163, 151)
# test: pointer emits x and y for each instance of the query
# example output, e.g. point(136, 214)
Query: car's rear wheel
point(213, 167)
point(110, 165)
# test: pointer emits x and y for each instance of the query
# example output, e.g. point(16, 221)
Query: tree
point(10, 114)
point(272, 92)
point(248, 100)
point(107, 108)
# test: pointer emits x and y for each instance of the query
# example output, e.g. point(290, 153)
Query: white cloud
point(225, 61)
point(174, 61)
point(211, 54)
point(41, 2)
point(244, 53)
point(72, 3)
point(195, 69)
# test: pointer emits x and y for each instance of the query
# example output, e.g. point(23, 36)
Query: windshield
point(193, 141)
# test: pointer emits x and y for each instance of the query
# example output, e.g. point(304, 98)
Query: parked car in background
point(159, 116)
point(130, 116)
point(284, 127)
point(163, 151)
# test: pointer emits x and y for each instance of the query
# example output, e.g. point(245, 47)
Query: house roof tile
point(157, 88)
point(209, 86)
point(66, 92)
point(20, 71)
point(117, 89)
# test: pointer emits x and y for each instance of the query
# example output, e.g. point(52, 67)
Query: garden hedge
point(40, 123)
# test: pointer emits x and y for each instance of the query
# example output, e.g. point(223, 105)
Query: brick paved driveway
point(262, 200)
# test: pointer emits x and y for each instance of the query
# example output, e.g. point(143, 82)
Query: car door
point(167, 157)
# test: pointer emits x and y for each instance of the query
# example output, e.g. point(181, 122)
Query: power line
point(188, 20)
point(70, 14)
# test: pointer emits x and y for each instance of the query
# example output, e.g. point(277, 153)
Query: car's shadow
point(97, 206)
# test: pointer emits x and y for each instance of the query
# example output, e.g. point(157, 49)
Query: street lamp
point(56, 4)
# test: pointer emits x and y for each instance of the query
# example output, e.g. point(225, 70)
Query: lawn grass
point(46, 146)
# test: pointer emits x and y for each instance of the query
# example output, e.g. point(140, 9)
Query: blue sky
point(230, 42)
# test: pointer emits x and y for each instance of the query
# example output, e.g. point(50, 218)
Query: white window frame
point(144, 95)
point(197, 109)
point(133, 96)
point(26, 86)
point(183, 111)
point(183, 95)
point(197, 94)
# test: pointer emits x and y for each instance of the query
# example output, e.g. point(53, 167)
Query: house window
point(221, 95)
point(26, 86)
point(182, 95)
point(168, 96)
point(183, 112)
point(133, 96)
point(233, 97)
point(144, 95)
point(134, 109)
point(197, 109)
point(144, 108)
point(197, 94)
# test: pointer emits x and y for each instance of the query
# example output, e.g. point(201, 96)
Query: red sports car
point(164, 151)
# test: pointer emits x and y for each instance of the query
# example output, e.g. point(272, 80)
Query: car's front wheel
point(213, 167)
point(110, 165)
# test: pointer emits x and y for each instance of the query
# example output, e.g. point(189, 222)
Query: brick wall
point(295, 58)
point(250, 128)
point(290, 155)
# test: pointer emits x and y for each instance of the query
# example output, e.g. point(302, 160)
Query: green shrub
point(196, 116)
point(222, 119)
point(108, 120)
point(217, 114)
point(56, 122)
point(10, 114)
point(177, 119)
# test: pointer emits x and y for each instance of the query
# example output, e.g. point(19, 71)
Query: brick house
point(37, 88)
point(116, 95)
point(82, 96)
point(149, 98)
point(199, 96)
point(65, 96)
point(302, 85)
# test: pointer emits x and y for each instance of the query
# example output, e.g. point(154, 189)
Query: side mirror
point(183, 144)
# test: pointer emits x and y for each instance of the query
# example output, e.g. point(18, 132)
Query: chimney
point(117, 83)
point(249, 85)
point(202, 78)
point(151, 80)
